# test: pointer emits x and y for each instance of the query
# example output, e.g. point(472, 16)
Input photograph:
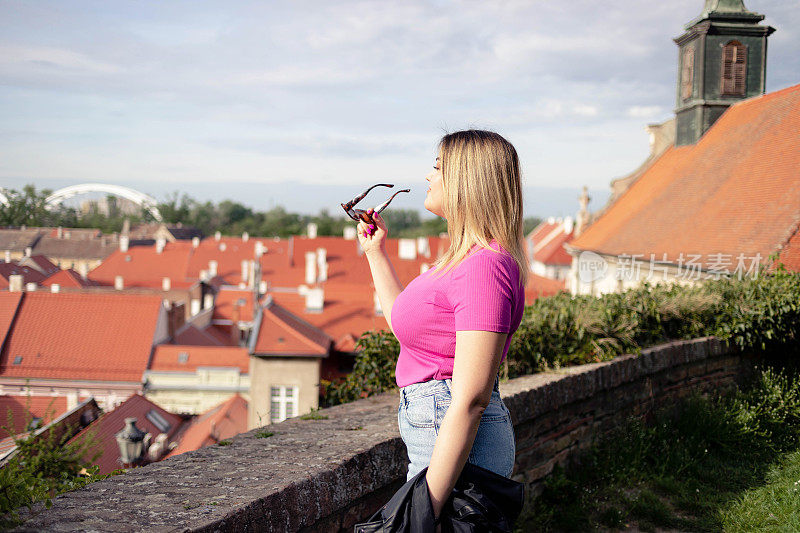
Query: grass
point(264, 434)
point(713, 463)
point(314, 415)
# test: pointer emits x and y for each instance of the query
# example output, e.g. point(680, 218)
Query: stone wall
point(328, 474)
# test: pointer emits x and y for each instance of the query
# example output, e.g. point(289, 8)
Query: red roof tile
point(9, 303)
point(227, 298)
point(734, 192)
point(82, 336)
point(282, 332)
point(540, 286)
point(109, 424)
point(68, 278)
point(22, 408)
point(167, 358)
point(142, 266)
point(189, 335)
point(29, 275)
point(226, 420)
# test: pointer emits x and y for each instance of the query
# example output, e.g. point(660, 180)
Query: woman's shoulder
point(496, 257)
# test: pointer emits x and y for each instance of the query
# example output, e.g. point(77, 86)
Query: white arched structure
point(117, 190)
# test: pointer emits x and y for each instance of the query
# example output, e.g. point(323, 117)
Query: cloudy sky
point(245, 100)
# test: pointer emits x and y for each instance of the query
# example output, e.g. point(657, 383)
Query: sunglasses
point(359, 214)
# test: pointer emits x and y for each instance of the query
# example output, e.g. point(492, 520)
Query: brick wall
point(326, 475)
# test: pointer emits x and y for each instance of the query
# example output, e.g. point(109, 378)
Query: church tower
point(722, 58)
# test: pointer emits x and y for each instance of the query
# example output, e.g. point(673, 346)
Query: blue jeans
point(420, 414)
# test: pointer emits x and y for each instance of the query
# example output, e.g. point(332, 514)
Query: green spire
point(732, 10)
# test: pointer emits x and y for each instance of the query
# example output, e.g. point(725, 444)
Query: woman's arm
point(387, 284)
point(372, 238)
point(477, 361)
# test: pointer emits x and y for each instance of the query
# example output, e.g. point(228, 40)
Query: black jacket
point(481, 501)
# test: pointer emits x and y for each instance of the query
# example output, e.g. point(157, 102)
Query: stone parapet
point(328, 474)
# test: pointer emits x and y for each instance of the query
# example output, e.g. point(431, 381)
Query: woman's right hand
point(372, 236)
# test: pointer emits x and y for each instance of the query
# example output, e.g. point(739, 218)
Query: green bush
point(760, 313)
point(44, 467)
point(373, 370)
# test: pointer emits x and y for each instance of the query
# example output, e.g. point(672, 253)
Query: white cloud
point(47, 58)
point(644, 111)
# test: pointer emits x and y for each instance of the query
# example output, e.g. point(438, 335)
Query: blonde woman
point(454, 322)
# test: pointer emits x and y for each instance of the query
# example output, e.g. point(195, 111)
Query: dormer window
point(734, 67)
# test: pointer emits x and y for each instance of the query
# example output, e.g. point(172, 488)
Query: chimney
point(83, 270)
point(260, 249)
point(245, 236)
point(212, 268)
point(55, 287)
point(166, 284)
point(160, 243)
point(322, 264)
point(311, 268)
point(350, 233)
point(222, 246)
point(30, 287)
point(176, 317)
point(60, 232)
point(195, 242)
point(245, 265)
point(236, 316)
point(263, 287)
point(311, 230)
point(8, 256)
point(124, 240)
point(217, 236)
point(407, 249)
point(377, 303)
point(15, 283)
point(204, 275)
point(423, 246)
point(315, 300)
point(119, 283)
point(208, 301)
point(28, 251)
point(195, 306)
point(251, 275)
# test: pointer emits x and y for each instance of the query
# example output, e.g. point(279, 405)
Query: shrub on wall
point(760, 312)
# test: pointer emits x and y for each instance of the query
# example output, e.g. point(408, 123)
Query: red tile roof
point(9, 303)
point(282, 332)
point(735, 191)
point(225, 300)
point(82, 336)
point(226, 420)
point(189, 335)
point(109, 424)
point(68, 278)
point(166, 358)
point(29, 275)
point(142, 266)
point(22, 408)
point(41, 263)
point(540, 286)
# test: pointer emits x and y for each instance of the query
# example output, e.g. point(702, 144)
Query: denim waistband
point(432, 386)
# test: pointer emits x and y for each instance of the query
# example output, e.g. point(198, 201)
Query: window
point(734, 68)
point(183, 357)
point(158, 421)
point(687, 73)
point(18, 360)
point(283, 403)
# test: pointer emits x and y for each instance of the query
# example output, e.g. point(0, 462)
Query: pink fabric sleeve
point(481, 292)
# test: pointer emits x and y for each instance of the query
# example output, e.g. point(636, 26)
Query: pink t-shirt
point(482, 293)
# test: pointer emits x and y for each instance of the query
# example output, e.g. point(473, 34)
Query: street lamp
point(131, 442)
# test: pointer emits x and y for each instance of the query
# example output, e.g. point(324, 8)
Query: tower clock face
point(687, 73)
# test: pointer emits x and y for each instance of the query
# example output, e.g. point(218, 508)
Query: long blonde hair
point(482, 197)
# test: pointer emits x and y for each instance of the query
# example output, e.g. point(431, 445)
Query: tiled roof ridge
point(272, 305)
point(760, 98)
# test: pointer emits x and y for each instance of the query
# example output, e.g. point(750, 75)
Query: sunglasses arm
point(361, 196)
point(382, 206)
